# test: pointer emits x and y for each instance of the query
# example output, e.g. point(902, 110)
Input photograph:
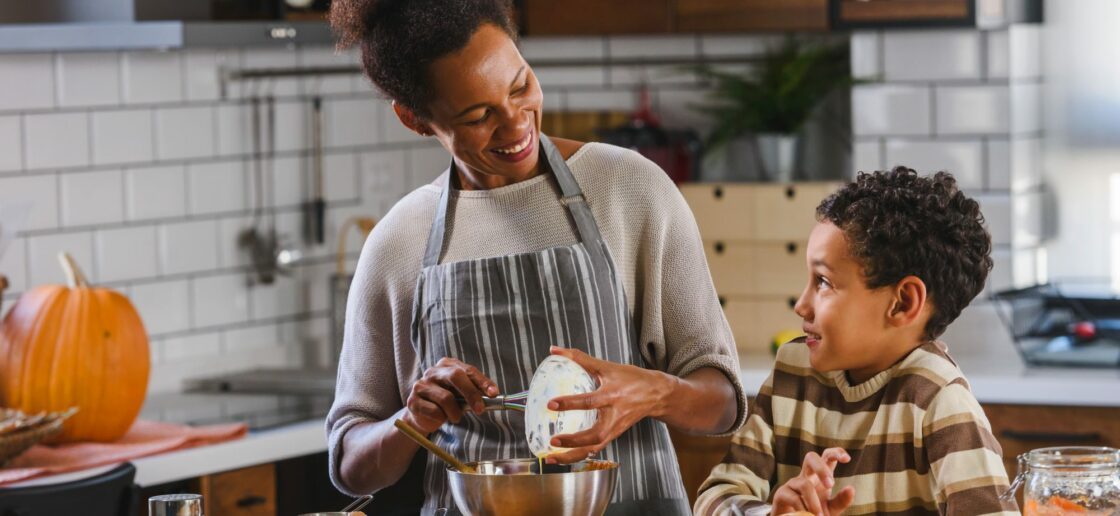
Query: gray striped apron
point(501, 315)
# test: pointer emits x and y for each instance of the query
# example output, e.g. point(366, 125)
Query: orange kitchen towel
point(143, 439)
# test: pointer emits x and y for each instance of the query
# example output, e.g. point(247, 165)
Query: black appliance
point(1069, 323)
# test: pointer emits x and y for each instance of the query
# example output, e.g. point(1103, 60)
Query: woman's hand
point(432, 400)
point(810, 490)
point(626, 394)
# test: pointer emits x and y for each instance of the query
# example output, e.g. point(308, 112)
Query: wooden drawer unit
point(754, 322)
point(1021, 428)
point(244, 492)
point(751, 15)
point(722, 211)
point(787, 211)
point(583, 17)
point(757, 269)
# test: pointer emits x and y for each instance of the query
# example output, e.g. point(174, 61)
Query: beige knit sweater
point(644, 220)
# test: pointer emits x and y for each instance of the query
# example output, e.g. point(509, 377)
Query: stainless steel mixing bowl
point(514, 486)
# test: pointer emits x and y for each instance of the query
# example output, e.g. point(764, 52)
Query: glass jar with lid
point(1080, 480)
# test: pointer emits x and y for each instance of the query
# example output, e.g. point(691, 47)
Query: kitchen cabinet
point(1021, 428)
point(589, 17)
point(750, 15)
point(244, 492)
point(754, 238)
point(847, 14)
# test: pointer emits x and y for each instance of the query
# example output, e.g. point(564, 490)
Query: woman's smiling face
point(486, 110)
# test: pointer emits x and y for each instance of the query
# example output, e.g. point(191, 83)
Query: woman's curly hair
point(399, 39)
point(898, 224)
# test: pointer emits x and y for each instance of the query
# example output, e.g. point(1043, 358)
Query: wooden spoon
point(408, 430)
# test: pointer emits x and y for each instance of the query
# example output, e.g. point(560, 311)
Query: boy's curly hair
point(399, 39)
point(898, 224)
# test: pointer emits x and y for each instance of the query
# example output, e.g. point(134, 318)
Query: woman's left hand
point(626, 394)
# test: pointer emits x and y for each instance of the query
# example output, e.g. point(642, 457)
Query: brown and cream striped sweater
point(918, 439)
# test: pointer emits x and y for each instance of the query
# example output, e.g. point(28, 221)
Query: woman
point(521, 245)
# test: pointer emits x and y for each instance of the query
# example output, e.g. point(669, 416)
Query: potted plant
point(773, 99)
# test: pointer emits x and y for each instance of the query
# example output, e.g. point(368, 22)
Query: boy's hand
point(810, 490)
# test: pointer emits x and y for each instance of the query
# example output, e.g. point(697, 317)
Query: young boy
point(868, 413)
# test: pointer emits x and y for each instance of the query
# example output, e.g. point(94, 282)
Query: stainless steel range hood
point(76, 25)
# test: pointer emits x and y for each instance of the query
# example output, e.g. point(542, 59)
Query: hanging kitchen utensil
point(316, 207)
point(340, 287)
point(261, 244)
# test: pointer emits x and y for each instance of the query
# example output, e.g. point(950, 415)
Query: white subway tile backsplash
point(999, 164)
point(29, 81)
point(257, 58)
point(217, 187)
point(235, 129)
point(126, 253)
point(931, 55)
point(203, 71)
point(634, 76)
point(253, 338)
point(11, 143)
point(13, 261)
point(726, 45)
point(42, 256)
point(629, 47)
point(155, 192)
point(678, 108)
point(607, 100)
point(349, 122)
point(999, 54)
point(202, 345)
point(1026, 163)
point(383, 178)
point(553, 77)
point(887, 109)
point(867, 155)
point(40, 192)
point(555, 48)
point(184, 132)
point(1002, 275)
point(1026, 209)
point(1025, 48)
point(972, 110)
point(963, 159)
point(122, 136)
point(1026, 108)
point(152, 77)
point(1029, 266)
point(293, 126)
point(164, 307)
point(219, 300)
point(288, 180)
point(340, 177)
point(328, 56)
point(57, 140)
point(188, 247)
point(89, 79)
point(426, 164)
point(90, 198)
point(997, 212)
point(283, 298)
point(866, 53)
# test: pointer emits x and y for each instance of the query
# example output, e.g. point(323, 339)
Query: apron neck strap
point(570, 192)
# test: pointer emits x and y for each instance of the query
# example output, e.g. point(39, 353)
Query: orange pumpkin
point(75, 346)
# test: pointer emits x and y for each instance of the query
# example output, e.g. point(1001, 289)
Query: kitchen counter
point(983, 348)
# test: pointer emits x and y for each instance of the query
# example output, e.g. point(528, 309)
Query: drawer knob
point(719, 247)
point(790, 192)
point(718, 192)
point(722, 301)
point(792, 302)
point(251, 500)
point(791, 248)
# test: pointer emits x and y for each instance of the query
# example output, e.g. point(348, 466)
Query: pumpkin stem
point(74, 276)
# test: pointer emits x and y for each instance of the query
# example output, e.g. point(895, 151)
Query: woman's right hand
point(432, 400)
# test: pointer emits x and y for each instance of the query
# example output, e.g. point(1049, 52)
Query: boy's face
point(845, 322)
